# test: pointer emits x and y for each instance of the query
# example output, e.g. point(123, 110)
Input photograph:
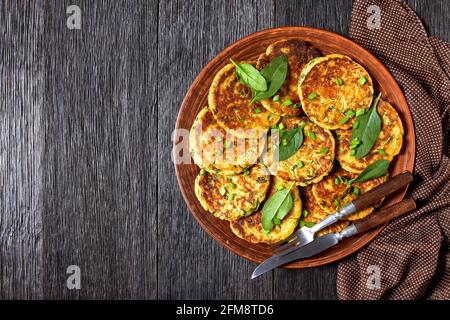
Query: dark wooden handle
point(384, 215)
point(371, 197)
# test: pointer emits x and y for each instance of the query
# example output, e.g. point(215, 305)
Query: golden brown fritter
point(218, 152)
point(229, 102)
point(232, 197)
point(298, 54)
point(388, 144)
point(332, 86)
point(312, 161)
point(250, 228)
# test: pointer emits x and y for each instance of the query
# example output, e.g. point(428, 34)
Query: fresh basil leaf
point(285, 207)
point(248, 75)
point(375, 170)
point(275, 74)
point(272, 206)
point(368, 130)
point(293, 139)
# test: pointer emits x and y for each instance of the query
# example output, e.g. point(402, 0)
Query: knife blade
point(326, 241)
point(318, 245)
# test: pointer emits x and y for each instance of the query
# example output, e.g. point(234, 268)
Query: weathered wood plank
point(21, 149)
point(100, 164)
point(190, 264)
point(435, 15)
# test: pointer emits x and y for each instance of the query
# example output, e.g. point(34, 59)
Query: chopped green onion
point(230, 196)
point(337, 181)
point(350, 113)
point(299, 164)
point(362, 80)
point(280, 187)
point(381, 152)
point(310, 224)
point(276, 220)
point(284, 142)
point(323, 150)
point(305, 213)
point(257, 110)
point(232, 186)
point(339, 82)
point(222, 191)
point(281, 126)
point(353, 152)
point(312, 95)
point(356, 191)
point(301, 223)
point(276, 98)
point(311, 135)
point(360, 112)
point(286, 102)
point(336, 202)
point(344, 120)
point(246, 172)
point(356, 124)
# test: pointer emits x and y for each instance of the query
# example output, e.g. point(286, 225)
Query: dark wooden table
point(85, 138)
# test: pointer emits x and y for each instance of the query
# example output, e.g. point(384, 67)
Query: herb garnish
point(368, 130)
point(291, 140)
point(375, 170)
point(275, 74)
point(277, 206)
point(249, 76)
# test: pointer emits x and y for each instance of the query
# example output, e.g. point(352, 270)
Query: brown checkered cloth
point(412, 253)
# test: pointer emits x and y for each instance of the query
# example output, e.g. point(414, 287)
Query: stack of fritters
point(232, 142)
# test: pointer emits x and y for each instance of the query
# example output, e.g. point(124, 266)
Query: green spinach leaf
point(368, 130)
point(375, 170)
point(285, 207)
point(249, 76)
point(290, 141)
point(273, 205)
point(275, 74)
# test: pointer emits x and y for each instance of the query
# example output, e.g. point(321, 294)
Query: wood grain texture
point(100, 165)
point(21, 149)
point(85, 125)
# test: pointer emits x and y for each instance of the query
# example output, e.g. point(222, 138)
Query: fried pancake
point(331, 196)
point(313, 213)
point(228, 100)
point(218, 152)
point(312, 161)
point(250, 228)
point(232, 197)
point(298, 54)
point(332, 85)
point(387, 146)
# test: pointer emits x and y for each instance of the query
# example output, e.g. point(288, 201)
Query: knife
point(329, 240)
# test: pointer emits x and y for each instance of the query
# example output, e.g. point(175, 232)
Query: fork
point(305, 234)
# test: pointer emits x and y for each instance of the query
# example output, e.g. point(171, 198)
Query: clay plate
point(249, 48)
